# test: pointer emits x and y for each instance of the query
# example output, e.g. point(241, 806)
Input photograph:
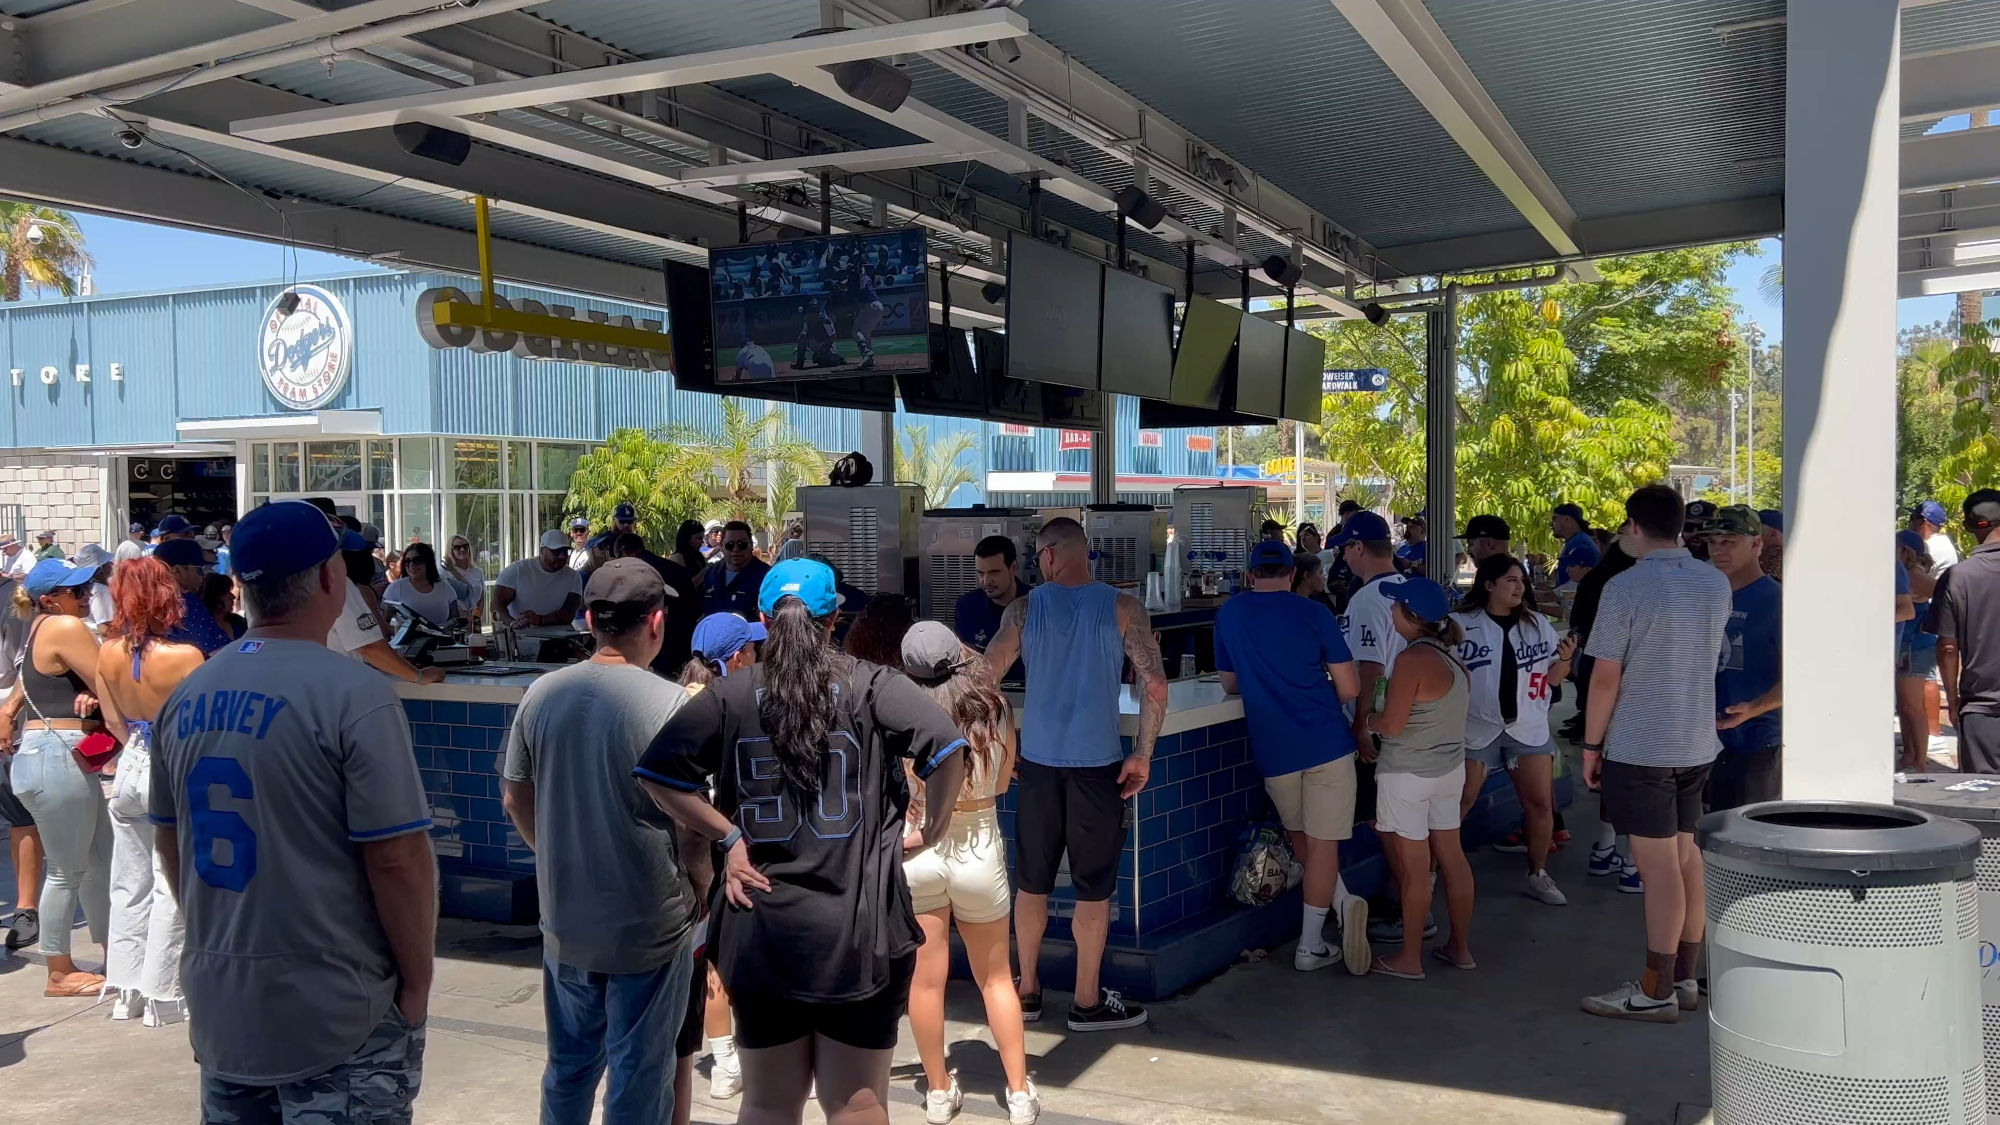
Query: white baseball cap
point(554, 541)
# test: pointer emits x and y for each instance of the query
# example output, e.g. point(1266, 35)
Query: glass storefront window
point(519, 454)
point(549, 513)
point(470, 463)
point(333, 466)
point(558, 464)
point(260, 467)
point(523, 538)
point(286, 474)
point(415, 454)
point(381, 464)
point(378, 512)
point(419, 520)
point(477, 518)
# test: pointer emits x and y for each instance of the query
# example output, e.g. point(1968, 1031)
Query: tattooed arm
point(1149, 680)
point(1005, 647)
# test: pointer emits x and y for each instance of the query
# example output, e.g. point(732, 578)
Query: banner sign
point(1012, 429)
point(1345, 379)
point(303, 355)
point(1074, 439)
point(1200, 444)
point(1150, 439)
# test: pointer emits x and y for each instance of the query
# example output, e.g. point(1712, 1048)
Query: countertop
point(474, 686)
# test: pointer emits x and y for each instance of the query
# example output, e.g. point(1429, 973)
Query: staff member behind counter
point(541, 590)
point(357, 632)
point(977, 613)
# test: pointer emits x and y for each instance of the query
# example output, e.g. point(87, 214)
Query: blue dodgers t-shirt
point(1578, 550)
point(1278, 644)
point(1751, 665)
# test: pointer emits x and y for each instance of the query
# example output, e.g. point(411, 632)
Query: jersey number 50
point(768, 810)
point(212, 825)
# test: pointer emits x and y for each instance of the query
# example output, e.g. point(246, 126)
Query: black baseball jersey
point(838, 912)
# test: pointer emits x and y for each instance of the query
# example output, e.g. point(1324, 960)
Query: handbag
point(92, 751)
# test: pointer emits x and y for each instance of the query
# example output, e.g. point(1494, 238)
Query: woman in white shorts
point(1419, 773)
point(965, 876)
point(1514, 658)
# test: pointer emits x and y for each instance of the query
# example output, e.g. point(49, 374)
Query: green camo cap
point(1736, 519)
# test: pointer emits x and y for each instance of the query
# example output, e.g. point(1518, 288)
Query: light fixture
point(795, 196)
point(994, 292)
point(432, 143)
point(869, 80)
point(1376, 314)
point(1283, 272)
point(1139, 207)
point(288, 303)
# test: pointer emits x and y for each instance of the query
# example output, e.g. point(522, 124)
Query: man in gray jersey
point(291, 824)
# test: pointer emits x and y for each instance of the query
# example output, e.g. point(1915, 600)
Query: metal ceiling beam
point(1932, 213)
point(799, 167)
point(1415, 49)
point(1948, 279)
point(1944, 83)
point(1942, 160)
point(1728, 221)
point(650, 74)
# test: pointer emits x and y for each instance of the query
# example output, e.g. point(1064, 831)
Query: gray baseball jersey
point(274, 763)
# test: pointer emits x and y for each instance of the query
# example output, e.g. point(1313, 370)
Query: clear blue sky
point(1744, 275)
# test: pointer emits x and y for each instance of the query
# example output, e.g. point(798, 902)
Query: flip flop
point(82, 984)
point(1441, 954)
point(1381, 966)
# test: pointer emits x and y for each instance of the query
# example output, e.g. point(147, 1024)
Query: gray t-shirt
point(1665, 622)
point(275, 761)
point(615, 898)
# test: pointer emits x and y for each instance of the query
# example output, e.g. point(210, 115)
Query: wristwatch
point(1590, 748)
point(729, 841)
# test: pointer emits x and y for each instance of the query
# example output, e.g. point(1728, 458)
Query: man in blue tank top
point(1074, 636)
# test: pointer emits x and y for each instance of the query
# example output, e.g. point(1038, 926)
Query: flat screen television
point(1137, 356)
point(1208, 334)
point(1007, 399)
point(1072, 407)
point(1305, 359)
point(1260, 367)
point(953, 386)
point(1053, 305)
point(828, 307)
point(691, 320)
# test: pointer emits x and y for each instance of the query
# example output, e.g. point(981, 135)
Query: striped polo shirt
point(1665, 622)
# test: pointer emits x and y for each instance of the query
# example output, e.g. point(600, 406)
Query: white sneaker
point(1687, 993)
point(1629, 1002)
point(164, 1013)
point(126, 1003)
point(1024, 1107)
point(725, 1076)
point(1541, 888)
point(1305, 960)
point(940, 1106)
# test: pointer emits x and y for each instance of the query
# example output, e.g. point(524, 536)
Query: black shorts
point(1077, 808)
point(11, 809)
point(1746, 777)
point(763, 1021)
point(1656, 802)
point(694, 1024)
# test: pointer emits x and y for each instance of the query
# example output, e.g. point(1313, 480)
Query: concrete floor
point(1260, 1042)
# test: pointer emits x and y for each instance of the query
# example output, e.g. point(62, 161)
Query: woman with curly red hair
point(137, 667)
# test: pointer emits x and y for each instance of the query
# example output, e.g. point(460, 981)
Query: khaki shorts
point(966, 871)
point(1318, 801)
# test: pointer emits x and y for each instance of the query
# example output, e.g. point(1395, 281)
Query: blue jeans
point(628, 1021)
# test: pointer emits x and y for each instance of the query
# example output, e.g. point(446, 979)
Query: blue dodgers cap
point(283, 538)
point(172, 525)
point(1772, 518)
point(1573, 511)
point(805, 579)
point(1270, 552)
point(349, 541)
point(1910, 539)
point(53, 574)
point(720, 636)
point(180, 552)
point(1421, 596)
point(625, 513)
point(1931, 511)
point(1361, 525)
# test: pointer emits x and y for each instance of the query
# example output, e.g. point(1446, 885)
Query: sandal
point(1381, 965)
point(76, 984)
point(1444, 955)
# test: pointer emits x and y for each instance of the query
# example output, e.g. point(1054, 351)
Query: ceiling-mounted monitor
point(1137, 354)
point(953, 386)
point(1260, 367)
point(829, 307)
point(1007, 400)
point(1208, 334)
point(1054, 299)
point(1305, 361)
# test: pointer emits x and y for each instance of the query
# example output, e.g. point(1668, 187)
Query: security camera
point(36, 234)
point(130, 138)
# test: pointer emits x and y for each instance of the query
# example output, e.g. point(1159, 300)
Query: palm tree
point(661, 479)
point(42, 246)
point(746, 443)
point(936, 466)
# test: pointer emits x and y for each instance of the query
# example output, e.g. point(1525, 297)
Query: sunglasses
point(736, 545)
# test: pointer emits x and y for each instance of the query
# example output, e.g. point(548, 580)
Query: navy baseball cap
point(1573, 511)
point(1910, 539)
point(1931, 511)
point(180, 552)
point(625, 513)
point(1270, 552)
point(1772, 518)
point(283, 538)
point(1361, 525)
point(172, 525)
point(135, 529)
point(53, 574)
point(720, 636)
point(1422, 596)
point(805, 579)
point(1487, 527)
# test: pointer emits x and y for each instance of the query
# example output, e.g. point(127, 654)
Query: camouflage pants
point(376, 1087)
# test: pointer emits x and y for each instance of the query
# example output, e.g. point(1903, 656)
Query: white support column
point(1104, 456)
point(1843, 77)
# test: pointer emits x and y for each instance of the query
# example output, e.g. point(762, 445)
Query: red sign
point(1074, 439)
point(1200, 444)
point(1149, 439)
point(1013, 430)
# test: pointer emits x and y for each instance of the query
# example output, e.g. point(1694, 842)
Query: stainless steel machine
point(1127, 542)
point(945, 563)
point(869, 533)
point(1216, 525)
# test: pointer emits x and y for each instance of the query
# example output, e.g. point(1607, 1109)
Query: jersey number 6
point(212, 825)
point(767, 809)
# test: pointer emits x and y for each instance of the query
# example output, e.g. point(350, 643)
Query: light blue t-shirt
point(1075, 657)
point(1278, 645)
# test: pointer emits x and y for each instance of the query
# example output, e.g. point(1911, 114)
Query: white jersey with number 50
point(1535, 644)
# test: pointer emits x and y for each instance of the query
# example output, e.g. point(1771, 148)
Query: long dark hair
point(978, 709)
point(877, 635)
point(421, 554)
point(687, 542)
point(1492, 569)
point(700, 670)
point(796, 707)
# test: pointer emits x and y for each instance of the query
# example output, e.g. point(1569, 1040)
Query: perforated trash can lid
point(1841, 836)
point(1970, 797)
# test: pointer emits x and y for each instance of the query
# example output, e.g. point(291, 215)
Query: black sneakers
point(24, 929)
point(1111, 1013)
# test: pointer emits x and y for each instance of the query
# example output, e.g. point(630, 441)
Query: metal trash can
point(1843, 965)
point(1975, 800)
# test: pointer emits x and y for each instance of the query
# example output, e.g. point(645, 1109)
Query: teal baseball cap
point(808, 580)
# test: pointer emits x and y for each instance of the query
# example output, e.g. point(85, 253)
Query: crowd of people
point(763, 803)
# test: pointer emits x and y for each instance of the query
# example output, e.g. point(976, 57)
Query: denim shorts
point(1916, 663)
point(1507, 751)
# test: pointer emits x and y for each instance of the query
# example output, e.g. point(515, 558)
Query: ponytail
point(24, 606)
point(796, 707)
point(700, 671)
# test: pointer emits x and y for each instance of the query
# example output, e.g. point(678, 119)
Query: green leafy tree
point(661, 479)
point(744, 446)
point(938, 466)
point(1924, 407)
point(42, 247)
point(1972, 373)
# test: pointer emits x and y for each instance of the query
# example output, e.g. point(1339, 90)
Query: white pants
point(144, 951)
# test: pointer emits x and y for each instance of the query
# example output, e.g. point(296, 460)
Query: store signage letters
point(600, 338)
point(304, 355)
point(50, 374)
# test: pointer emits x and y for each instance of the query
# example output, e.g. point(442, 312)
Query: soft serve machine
point(1216, 525)
point(946, 566)
point(868, 532)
